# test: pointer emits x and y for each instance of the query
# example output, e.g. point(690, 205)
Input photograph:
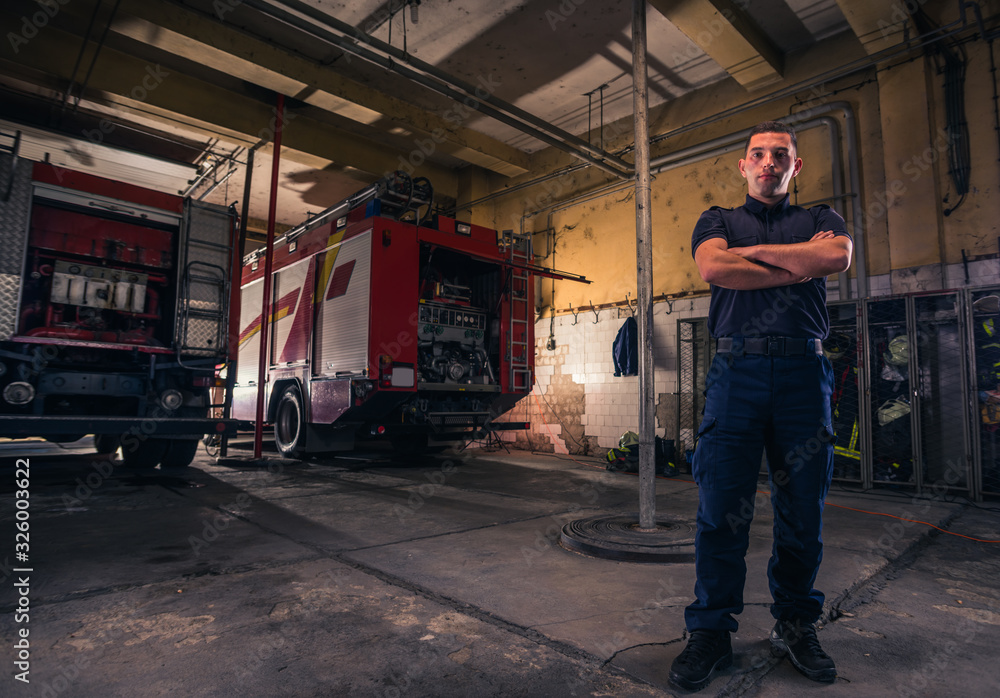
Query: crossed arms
point(767, 266)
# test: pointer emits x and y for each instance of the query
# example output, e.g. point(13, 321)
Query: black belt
point(769, 346)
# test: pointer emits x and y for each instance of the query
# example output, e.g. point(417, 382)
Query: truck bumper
point(19, 426)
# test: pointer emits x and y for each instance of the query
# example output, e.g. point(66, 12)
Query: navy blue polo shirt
point(796, 310)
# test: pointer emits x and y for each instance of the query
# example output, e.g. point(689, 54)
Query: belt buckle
point(775, 346)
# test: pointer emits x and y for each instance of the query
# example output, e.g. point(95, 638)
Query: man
point(768, 391)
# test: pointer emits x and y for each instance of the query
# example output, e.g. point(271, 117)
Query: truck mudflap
point(20, 426)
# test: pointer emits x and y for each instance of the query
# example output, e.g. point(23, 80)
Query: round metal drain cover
point(620, 538)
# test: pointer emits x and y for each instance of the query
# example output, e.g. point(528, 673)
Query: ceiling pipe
point(904, 47)
point(837, 165)
point(843, 71)
point(350, 40)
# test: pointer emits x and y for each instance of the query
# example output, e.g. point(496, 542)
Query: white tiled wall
point(583, 352)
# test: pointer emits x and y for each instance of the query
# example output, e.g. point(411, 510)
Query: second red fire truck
point(388, 322)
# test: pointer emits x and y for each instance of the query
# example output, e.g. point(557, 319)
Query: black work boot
point(707, 651)
point(798, 640)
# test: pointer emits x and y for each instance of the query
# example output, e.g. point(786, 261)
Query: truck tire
point(289, 424)
point(144, 455)
point(180, 453)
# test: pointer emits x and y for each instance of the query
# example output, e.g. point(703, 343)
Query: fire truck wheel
point(180, 453)
point(143, 455)
point(289, 426)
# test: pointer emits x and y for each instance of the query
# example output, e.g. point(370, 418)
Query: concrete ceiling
point(176, 79)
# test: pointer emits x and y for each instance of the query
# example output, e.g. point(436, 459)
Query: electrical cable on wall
point(951, 60)
point(996, 98)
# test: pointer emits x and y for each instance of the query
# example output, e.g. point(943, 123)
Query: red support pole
point(265, 313)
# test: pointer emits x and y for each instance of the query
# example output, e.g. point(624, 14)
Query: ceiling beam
point(196, 36)
point(725, 32)
point(137, 86)
point(222, 46)
point(878, 24)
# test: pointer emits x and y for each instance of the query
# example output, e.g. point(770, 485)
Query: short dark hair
point(771, 127)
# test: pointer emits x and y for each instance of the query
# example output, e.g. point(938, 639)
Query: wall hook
point(670, 305)
point(597, 317)
point(575, 314)
point(629, 304)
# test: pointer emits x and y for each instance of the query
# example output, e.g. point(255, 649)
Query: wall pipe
point(837, 164)
point(265, 311)
point(349, 40)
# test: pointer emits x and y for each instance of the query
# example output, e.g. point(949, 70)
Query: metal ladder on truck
point(204, 285)
point(519, 349)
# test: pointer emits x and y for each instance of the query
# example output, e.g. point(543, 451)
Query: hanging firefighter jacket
point(625, 349)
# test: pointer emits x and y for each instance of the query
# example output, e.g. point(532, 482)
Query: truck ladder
point(519, 349)
point(203, 288)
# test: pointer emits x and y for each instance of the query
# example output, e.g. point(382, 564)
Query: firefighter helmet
point(899, 351)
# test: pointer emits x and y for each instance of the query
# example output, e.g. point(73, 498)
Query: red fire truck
point(388, 322)
point(114, 312)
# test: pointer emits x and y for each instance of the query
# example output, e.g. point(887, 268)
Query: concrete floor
point(442, 577)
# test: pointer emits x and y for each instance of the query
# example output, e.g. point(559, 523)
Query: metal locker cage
point(843, 348)
point(695, 350)
point(982, 310)
point(939, 366)
point(888, 405)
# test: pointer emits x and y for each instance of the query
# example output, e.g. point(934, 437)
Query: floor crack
point(641, 644)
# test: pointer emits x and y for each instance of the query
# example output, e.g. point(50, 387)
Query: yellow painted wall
point(898, 112)
point(910, 186)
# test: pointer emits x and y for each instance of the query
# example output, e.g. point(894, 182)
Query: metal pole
point(644, 271)
point(234, 318)
point(265, 311)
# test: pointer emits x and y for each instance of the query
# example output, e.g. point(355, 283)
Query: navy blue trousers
point(779, 406)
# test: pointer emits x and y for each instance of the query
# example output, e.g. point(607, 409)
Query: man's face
point(769, 166)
